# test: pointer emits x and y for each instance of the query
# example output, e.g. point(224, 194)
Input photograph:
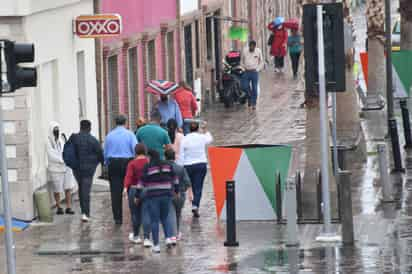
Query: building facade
point(66, 90)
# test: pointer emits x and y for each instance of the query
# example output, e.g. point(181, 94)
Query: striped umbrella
point(161, 87)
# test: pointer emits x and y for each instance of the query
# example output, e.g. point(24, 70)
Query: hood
point(52, 126)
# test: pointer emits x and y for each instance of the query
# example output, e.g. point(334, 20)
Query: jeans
point(197, 174)
point(294, 57)
point(250, 77)
point(140, 215)
point(186, 128)
point(279, 62)
point(117, 172)
point(175, 213)
point(85, 186)
point(159, 211)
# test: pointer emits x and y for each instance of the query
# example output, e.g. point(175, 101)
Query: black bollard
point(345, 195)
point(319, 197)
point(299, 196)
point(406, 124)
point(393, 129)
point(278, 189)
point(230, 215)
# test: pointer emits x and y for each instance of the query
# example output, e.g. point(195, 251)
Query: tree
point(405, 8)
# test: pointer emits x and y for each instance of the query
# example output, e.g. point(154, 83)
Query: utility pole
point(392, 124)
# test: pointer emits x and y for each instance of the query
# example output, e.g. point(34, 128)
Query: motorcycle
point(231, 79)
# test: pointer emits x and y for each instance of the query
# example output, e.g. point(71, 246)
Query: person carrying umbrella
point(280, 38)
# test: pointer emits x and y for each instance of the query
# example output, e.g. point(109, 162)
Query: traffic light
point(12, 75)
point(333, 31)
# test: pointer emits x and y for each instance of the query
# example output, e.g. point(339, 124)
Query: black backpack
point(271, 38)
point(70, 156)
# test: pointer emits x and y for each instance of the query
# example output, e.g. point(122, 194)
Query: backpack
point(70, 156)
point(271, 38)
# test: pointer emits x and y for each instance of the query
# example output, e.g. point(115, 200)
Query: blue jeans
point(250, 80)
point(140, 215)
point(197, 174)
point(159, 211)
point(175, 213)
point(186, 128)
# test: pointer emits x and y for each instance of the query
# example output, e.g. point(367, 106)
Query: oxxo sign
point(98, 26)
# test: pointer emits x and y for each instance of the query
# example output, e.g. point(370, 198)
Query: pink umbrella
point(291, 24)
point(161, 87)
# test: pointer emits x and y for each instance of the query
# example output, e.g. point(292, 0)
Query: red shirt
point(134, 172)
point(187, 103)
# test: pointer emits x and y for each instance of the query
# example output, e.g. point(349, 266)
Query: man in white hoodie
point(59, 174)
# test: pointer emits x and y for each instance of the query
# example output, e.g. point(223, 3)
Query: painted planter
point(253, 168)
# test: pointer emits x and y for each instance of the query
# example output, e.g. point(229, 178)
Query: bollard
point(319, 196)
point(406, 124)
point(230, 215)
point(278, 197)
point(299, 210)
point(393, 127)
point(345, 197)
point(291, 216)
point(384, 174)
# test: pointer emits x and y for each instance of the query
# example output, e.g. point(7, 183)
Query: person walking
point(141, 122)
point(193, 158)
point(157, 186)
point(154, 136)
point(89, 154)
point(187, 103)
point(175, 215)
point(138, 211)
point(169, 109)
point(59, 174)
point(252, 62)
point(278, 48)
point(119, 150)
point(174, 135)
point(295, 49)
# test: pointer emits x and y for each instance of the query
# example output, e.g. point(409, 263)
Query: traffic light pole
point(10, 252)
point(392, 124)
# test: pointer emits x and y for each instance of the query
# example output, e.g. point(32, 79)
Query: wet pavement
point(383, 232)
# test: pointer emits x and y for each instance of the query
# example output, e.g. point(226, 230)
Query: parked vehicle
point(232, 73)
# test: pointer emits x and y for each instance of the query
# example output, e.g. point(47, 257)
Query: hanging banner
point(238, 33)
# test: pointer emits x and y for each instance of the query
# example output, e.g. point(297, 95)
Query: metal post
point(327, 228)
point(345, 196)
point(278, 197)
point(230, 215)
point(10, 252)
point(299, 210)
point(319, 197)
point(291, 216)
point(393, 128)
point(384, 174)
point(406, 124)
point(335, 139)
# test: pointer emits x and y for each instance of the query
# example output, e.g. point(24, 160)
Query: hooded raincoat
point(55, 151)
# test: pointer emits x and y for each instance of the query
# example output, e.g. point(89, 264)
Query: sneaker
point(179, 236)
point(134, 239)
point(147, 243)
point(156, 249)
point(85, 219)
point(195, 212)
point(69, 211)
point(169, 242)
point(59, 211)
point(173, 240)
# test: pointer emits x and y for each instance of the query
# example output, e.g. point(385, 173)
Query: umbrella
point(278, 21)
point(161, 87)
point(291, 24)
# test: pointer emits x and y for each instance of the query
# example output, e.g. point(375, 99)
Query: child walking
point(138, 211)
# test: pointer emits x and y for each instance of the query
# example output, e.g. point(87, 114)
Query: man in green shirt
point(154, 136)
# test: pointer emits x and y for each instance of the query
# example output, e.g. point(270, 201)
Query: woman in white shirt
point(193, 157)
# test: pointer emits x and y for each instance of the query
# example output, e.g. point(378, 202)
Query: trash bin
point(254, 169)
point(43, 206)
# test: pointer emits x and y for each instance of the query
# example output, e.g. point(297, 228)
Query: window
point(133, 86)
point(151, 73)
point(170, 56)
point(112, 96)
point(81, 85)
point(209, 39)
point(188, 54)
point(197, 44)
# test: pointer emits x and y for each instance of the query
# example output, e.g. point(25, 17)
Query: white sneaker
point(156, 249)
point(179, 236)
point(147, 243)
point(85, 219)
point(173, 240)
point(135, 240)
point(169, 242)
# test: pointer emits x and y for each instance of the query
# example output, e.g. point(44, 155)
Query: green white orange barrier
point(253, 168)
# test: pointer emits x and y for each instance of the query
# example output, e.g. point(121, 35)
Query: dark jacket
point(184, 180)
point(89, 153)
